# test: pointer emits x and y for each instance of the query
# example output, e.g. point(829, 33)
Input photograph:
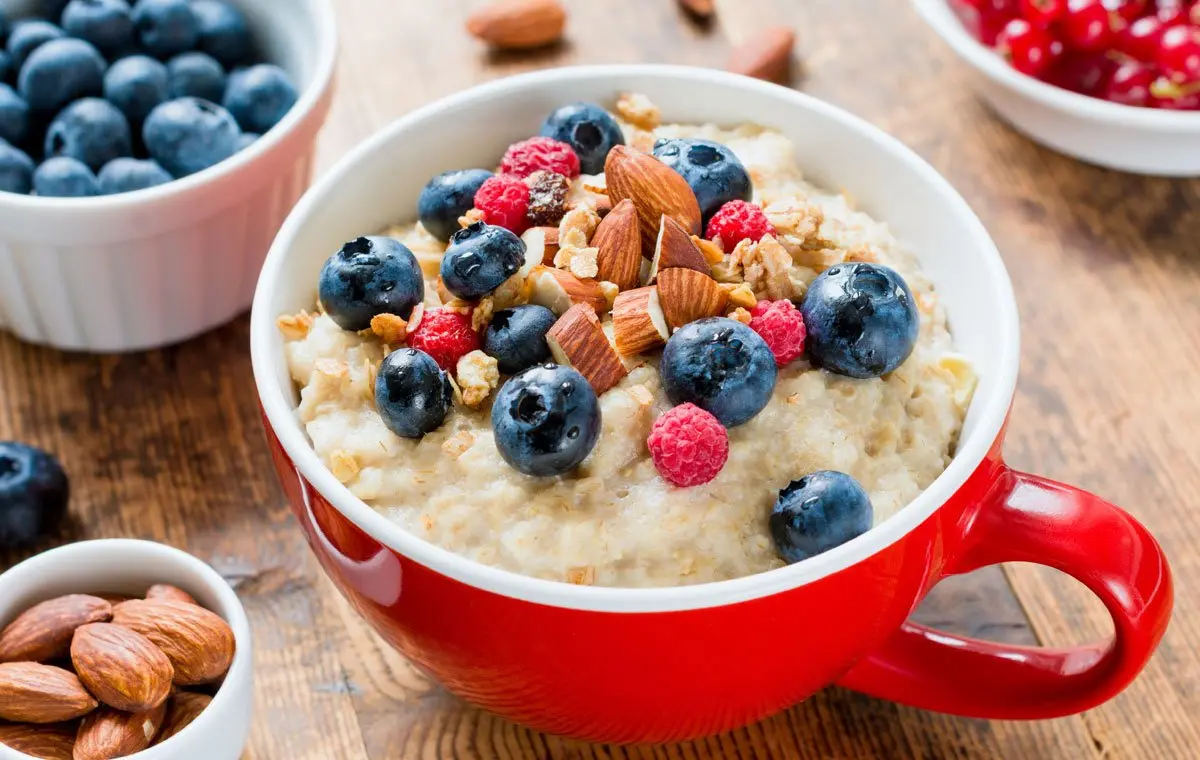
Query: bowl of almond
point(121, 648)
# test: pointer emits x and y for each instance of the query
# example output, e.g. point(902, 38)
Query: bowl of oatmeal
point(588, 386)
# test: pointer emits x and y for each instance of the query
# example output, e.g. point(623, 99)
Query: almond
point(711, 251)
point(51, 742)
point(620, 243)
point(199, 644)
point(518, 24)
point(33, 693)
point(701, 9)
point(541, 243)
point(109, 733)
point(655, 189)
point(577, 340)
point(558, 290)
point(638, 321)
point(182, 709)
point(687, 295)
point(123, 668)
point(767, 55)
point(43, 632)
point(675, 248)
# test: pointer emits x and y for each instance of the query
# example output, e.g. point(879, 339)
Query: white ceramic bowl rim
point(941, 18)
point(280, 409)
point(326, 56)
point(228, 606)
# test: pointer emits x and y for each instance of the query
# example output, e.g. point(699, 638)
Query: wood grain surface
point(167, 445)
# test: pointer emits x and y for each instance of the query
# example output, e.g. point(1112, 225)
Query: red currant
point(1126, 10)
point(1043, 13)
point(1171, 12)
point(1179, 53)
point(1086, 26)
point(1130, 84)
point(1141, 39)
point(992, 16)
point(1030, 49)
point(1086, 74)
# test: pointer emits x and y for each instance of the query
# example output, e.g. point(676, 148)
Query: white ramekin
point(154, 267)
point(1126, 138)
point(123, 566)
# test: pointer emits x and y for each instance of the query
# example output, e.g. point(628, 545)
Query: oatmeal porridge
point(608, 511)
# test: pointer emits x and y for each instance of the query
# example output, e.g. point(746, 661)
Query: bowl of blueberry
point(1112, 82)
point(149, 151)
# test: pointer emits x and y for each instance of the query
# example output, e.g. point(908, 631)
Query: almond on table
point(518, 24)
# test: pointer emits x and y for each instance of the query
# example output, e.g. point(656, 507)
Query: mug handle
point(1025, 518)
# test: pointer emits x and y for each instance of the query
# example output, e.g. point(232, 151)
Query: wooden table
point(167, 445)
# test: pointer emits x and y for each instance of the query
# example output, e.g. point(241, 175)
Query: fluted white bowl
point(154, 267)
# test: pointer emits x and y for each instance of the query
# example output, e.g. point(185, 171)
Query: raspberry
point(737, 221)
point(504, 202)
point(540, 154)
point(446, 336)
point(689, 446)
point(782, 327)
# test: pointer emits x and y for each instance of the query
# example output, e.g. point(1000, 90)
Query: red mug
point(665, 664)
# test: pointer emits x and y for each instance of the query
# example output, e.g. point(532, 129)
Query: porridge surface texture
point(615, 521)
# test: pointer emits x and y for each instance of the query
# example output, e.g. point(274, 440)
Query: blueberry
point(412, 392)
point(245, 140)
point(60, 72)
point(448, 196)
point(91, 130)
point(224, 32)
point(479, 258)
point(29, 35)
point(546, 420)
point(49, 8)
point(818, 512)
point(367, 277)
point(107, 24)
point(16, 170)
point(196, 75)
point(64, 177)
point(721, 366)
point(516, 337)
point(136, 85)
point(260, 96)
point(5, 27)
point(587, 128)
point(165, 27)
point(188, 135)
point(33, 495)
point(125, 175)
point(8, 69)
point(14, 115)
point(861, 318)
point(714, 173)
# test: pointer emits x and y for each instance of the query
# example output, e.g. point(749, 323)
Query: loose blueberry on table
point(526, 290)
point(33, 495)
point(175, 83)
point(1133, 52)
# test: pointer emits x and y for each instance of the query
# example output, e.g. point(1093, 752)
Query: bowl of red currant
point(1111, 82)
